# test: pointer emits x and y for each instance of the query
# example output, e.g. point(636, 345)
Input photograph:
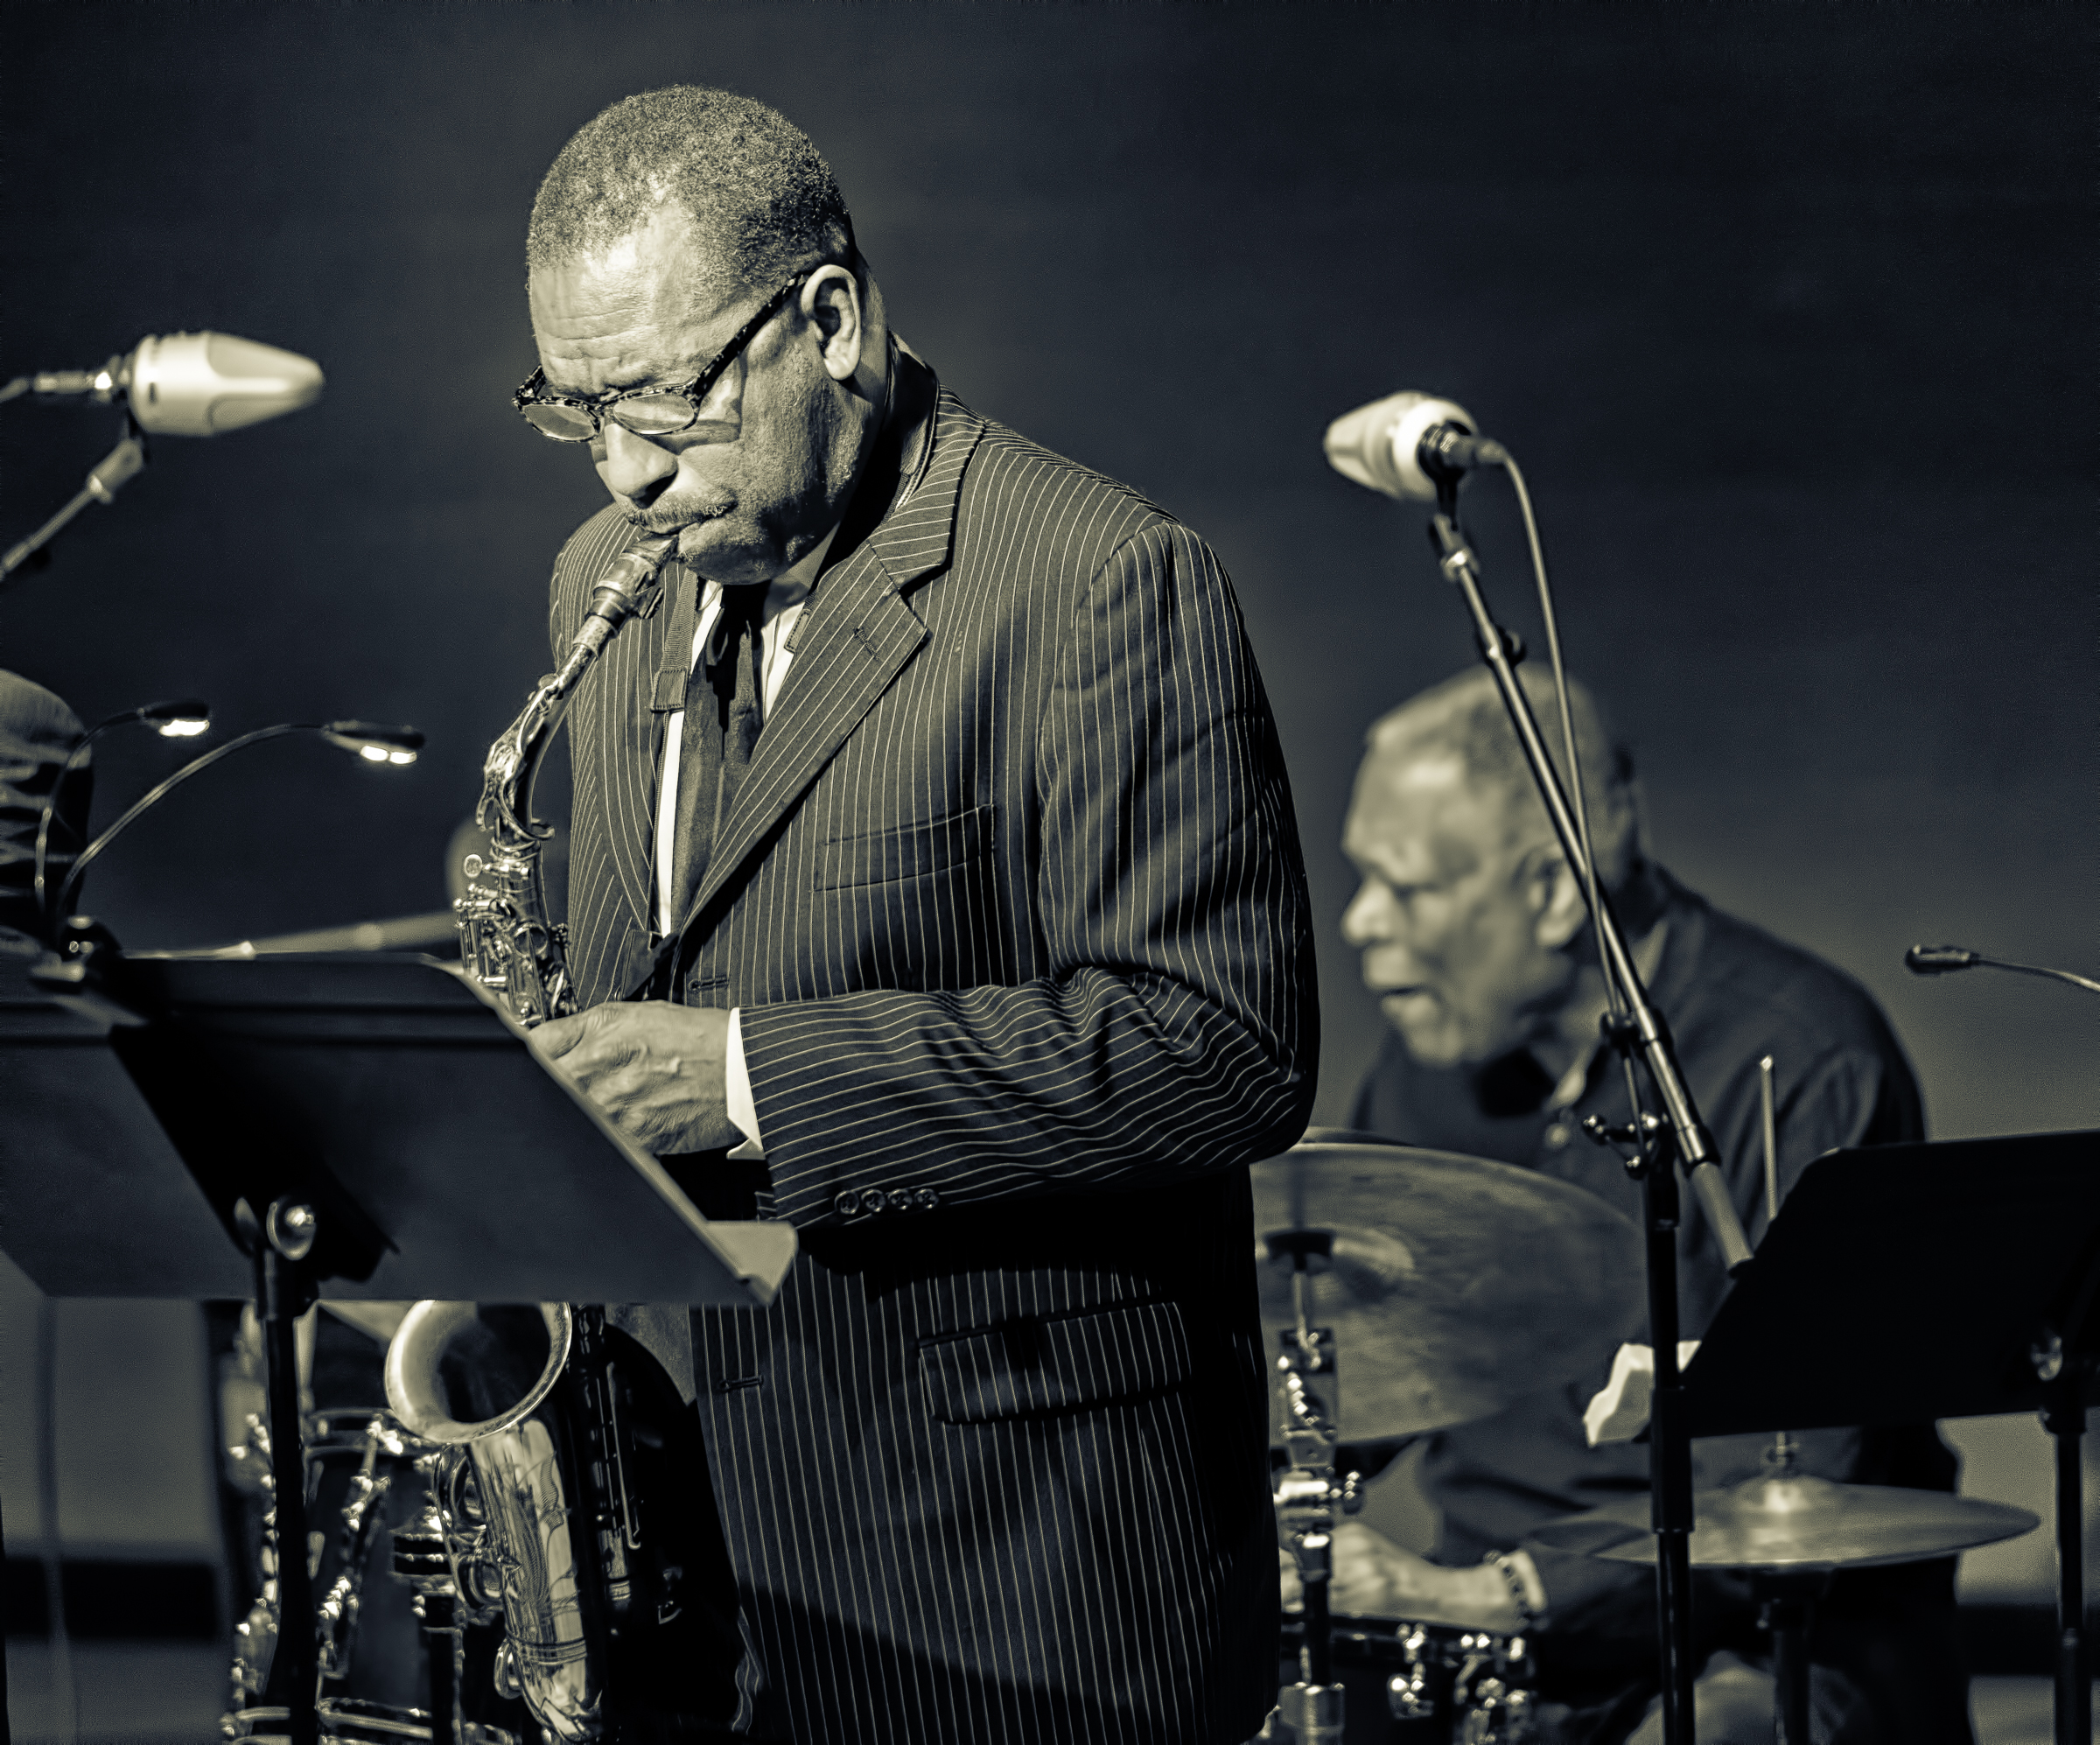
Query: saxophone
point(536, 1500)
point(506, 942)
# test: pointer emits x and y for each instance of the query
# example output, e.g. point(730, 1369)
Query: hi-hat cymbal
point(1455, 1287)
point(1789, 1520)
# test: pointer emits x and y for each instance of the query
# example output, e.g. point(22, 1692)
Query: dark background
point(1785, 309)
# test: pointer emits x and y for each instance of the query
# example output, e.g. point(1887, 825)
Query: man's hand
point(1374, 1578)
point(658, 1069)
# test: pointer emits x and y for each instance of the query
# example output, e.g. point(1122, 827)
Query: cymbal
point(1455, 1287)
point(1791, 1520)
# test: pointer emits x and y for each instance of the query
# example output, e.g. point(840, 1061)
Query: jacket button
point(873, 1200)
point(926, 1199)
point(847, 1203)
point(900, 1199)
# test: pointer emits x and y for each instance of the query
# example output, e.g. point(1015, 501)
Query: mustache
point(667, 516)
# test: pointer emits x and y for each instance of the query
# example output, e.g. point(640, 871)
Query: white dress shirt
point(785, 598)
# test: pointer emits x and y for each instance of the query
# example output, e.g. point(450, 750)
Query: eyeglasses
point(649, 411)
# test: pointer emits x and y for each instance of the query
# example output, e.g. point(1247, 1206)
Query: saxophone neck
point(629, 588)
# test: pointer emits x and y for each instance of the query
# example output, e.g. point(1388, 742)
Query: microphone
point(1410, 445)
point(1937, 960)
point(193, 384)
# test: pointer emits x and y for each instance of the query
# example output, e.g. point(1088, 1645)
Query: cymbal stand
point(278, 1243)
point(1682, 1140)
point(1786, 1605)
point(1308, 1495)
point(1786, 1602)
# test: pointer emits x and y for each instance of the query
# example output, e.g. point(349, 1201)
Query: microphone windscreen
point(199, 384)
point(1376, 445)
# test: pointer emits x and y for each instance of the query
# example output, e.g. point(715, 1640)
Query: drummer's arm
point(1375, 1577)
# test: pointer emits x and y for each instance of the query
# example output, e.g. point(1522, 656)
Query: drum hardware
point(1459, 1286)
point(1308, 1493)
point(383, 1454)
point(1477, 1681)
point(1490, 1688)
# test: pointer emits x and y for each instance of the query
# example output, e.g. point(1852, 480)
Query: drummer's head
point(1471, 923)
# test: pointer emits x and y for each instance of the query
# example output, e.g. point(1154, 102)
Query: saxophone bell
point(483, 1382)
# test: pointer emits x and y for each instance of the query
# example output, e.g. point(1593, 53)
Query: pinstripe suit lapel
point(858, 635)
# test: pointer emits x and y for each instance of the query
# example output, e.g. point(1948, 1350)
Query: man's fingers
point(555, 1038)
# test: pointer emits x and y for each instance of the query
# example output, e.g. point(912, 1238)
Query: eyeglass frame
point(694, 392)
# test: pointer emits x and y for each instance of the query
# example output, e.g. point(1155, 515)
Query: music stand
point(369, 1127)
point(1901, 1284)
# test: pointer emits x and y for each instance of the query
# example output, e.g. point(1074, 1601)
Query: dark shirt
point(1731, 994)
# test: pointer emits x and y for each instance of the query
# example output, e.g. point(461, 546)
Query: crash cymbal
point(1454, 1285)
point(1789, 1520)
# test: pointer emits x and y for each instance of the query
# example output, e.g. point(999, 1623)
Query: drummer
point(1476, 942)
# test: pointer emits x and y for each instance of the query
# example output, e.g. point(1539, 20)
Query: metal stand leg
point(1786, 1607)
point(2063, 1416)
point(1670, 1453)
point(441, 1644)
point(278, 1244)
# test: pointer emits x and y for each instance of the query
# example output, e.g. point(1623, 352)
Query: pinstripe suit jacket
point(1013, 903)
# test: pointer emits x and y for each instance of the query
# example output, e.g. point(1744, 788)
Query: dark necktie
point(724, 696)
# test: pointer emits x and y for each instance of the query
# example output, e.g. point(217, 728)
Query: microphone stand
point(116, 468)
point(1679, 1137)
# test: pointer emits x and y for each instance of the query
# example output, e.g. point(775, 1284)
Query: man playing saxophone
point(934, 886)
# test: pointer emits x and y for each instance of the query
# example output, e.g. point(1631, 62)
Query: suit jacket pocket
point(1059, 1364)
point(908, 851)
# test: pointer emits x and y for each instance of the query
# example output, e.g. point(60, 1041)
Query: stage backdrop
point(1783, 309)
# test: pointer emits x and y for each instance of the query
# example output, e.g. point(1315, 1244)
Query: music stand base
point(278, 1243)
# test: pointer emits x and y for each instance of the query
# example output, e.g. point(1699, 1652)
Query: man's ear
point(1559, 911)
point(830, 303)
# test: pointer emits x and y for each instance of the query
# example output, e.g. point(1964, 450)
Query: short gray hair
point(1464, 718)
point(762, 202)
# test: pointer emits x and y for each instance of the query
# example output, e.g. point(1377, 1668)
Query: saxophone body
point(506, 940)
point(533, 1408)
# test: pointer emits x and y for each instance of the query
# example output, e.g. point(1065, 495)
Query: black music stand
point(369, 1127)
point(1900, 1284)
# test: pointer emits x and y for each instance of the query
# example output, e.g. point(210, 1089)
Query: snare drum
point(1412, 1683)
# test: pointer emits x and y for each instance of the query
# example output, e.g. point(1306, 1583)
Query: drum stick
point(1764, 1074)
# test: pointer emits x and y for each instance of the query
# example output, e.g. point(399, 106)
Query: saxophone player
point(934, 886)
